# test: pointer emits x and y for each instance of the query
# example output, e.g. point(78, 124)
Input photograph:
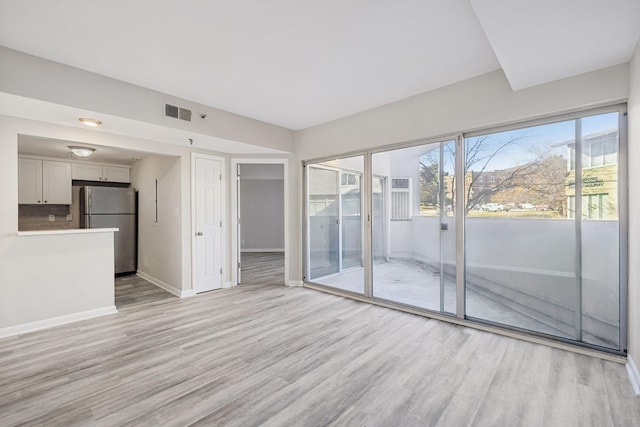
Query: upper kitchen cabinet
point(97, 172)
point(43, 182)
point(115, 173)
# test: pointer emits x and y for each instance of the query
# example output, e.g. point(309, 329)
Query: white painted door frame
point(234, 213)
point(223, 231)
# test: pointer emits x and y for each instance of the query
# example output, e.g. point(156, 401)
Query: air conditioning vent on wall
point(400, 183)
point(177, 112)
point(400, 198)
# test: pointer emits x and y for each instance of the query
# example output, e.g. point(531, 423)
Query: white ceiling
point(545, 40)
point(297, 63)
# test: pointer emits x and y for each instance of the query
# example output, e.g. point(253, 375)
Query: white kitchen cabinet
point(30, 181)
point(115, 174)
point(86, 171)
point(98, 172)
point(44, 182)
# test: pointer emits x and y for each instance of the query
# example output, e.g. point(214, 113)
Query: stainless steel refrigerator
point(107, 207)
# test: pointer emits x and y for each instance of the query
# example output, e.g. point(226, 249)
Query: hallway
point(262, 268)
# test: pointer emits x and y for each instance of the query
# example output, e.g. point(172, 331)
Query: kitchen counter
point(69, 231)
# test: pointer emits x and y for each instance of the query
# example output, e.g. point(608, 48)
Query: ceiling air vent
point(177, 112)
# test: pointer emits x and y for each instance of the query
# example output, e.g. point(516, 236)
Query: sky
point(532, 142)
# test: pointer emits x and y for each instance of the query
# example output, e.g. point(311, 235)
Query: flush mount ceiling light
point(89, 121)
point(81, 151)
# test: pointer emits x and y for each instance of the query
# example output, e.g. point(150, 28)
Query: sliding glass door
point(323, 210)
point(520, 242)
point(418, 265)
point(599, 229)
point(334, 224)
point(520, 227)
point(537, 257)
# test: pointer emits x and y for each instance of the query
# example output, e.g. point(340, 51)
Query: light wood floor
point(133, 291)
point(278, 356)
point(262, 268)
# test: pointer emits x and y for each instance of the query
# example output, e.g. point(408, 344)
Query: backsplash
point(36, 217)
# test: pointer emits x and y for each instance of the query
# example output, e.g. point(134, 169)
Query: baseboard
point(634, 375)
point(227, 285)
point(56, 321)
point(263, 250)
point(295, 283)
point(167, 287)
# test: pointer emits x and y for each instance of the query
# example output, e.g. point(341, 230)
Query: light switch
point(52, 218)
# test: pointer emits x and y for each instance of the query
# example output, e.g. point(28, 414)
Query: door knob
point(199, 233)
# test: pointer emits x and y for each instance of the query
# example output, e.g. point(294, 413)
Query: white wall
point(32, 77)
point(38, 270)
point(45, 277)
point(31, 268)
point(159, 248)
point(262, 207)
point(476, 103)
point(634, 207)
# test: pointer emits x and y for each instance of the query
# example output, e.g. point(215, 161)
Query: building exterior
point(599, 180)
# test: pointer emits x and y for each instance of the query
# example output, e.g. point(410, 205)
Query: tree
point(539, 181)
point(429, 181)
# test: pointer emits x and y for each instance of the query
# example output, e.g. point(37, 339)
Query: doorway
point(259, 209)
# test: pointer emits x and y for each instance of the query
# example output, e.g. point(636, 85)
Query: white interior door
point(208, 225)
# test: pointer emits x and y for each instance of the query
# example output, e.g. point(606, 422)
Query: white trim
point(263, 250)
point(634, 375)
point(234, 214)
point(56, 321)
point(295, 283)
point(223, 207)
point(227, 285)
point(167, 287)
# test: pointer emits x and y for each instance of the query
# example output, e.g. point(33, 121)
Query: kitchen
point(67, 186)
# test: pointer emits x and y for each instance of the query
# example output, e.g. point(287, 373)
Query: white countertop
point(70, 231)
